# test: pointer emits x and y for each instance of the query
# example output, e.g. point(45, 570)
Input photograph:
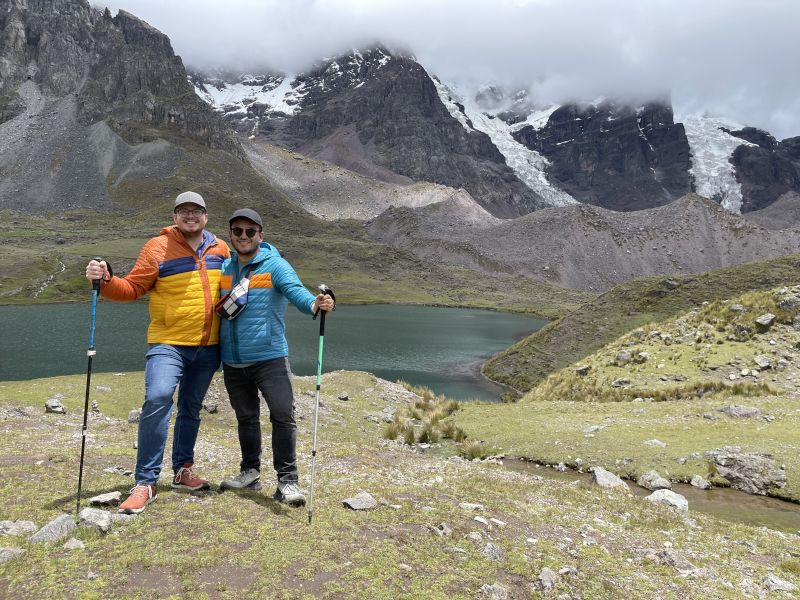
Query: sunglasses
point(238, 231)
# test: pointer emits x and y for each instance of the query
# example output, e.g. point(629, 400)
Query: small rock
point(94, 517)
point(655, 443)
point(620, 382)
point(762, 361)
point(741, 411)
point(481, 520)
point(7, 554)
point(55, 530)
point(134, 415)
point(108, 499)
point(698, 482)
point(652, 480)
point(343, 396)
point(623, 358)
point(211, 405)
point(442, 530)
point(492, 551)
point(471, 506)
point(736, 308)
point(17, 527)
point(361, 501)
point(498, 522)
point(669, 498)
point(772, 583)
point(494, 591)
point(546, 580)
point(675, 560)
point(475, 536)
point(102, 388)
point(582, 370)
point(53, 405)
point(74, 544)
point(765, 320)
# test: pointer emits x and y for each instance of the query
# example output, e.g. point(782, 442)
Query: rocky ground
point(586, 247)
point(427, 523)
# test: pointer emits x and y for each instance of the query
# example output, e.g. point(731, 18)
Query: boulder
point(608, 480)
point(669, 498)
point(699, 482)
point(751, 472)
point(653, 481)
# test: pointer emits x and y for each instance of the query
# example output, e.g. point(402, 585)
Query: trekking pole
point(323, 289)
point(90, 353)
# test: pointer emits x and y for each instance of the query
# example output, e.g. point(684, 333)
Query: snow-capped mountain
point(383, 115)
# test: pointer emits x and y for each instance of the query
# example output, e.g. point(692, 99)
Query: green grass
point(251, 544)
point(694, 368)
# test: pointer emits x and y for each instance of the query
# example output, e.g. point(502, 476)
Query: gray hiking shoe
point(246, 480)
point(289, 493)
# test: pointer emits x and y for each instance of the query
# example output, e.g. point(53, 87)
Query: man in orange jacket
point(181, 270)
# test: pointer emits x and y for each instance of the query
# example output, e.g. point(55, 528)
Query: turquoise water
point(442, 348)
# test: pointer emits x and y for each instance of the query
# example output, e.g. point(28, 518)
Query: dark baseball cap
point(247, 213)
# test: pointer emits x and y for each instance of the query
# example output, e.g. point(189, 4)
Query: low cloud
point(732, 58)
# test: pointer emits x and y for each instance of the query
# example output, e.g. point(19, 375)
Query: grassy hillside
point(418, 542)
point(630, 305)
point(361, 271)
point(673, 382)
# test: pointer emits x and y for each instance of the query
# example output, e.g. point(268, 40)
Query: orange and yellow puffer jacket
point(183, 286)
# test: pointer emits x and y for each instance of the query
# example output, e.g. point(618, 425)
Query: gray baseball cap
point(189, 197)
point(247, 213)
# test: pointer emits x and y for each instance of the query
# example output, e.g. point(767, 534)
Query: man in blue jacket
point(255, 351)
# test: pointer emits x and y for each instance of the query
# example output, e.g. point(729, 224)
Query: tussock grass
point(569, 387)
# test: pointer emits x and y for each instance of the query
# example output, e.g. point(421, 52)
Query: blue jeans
point(167, 365)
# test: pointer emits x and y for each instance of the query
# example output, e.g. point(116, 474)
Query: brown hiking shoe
point(187, 480)
point(141, 495)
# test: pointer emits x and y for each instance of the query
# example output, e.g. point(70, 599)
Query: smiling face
point(190, 219)
point(246, 245)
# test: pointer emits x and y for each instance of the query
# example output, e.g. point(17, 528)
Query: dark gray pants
point(273, 378)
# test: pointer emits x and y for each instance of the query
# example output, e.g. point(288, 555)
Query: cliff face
point(615, 157)
point(767, 170)
point(120, 69)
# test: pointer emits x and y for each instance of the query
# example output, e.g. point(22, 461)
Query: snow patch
point(529, 165)
point(711, 148)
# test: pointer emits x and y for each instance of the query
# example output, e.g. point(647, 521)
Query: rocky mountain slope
point(375, 112)
point(379, 114)
point(82, 95)
point(584, 247)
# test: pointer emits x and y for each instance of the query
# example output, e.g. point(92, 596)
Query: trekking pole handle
point(96, 282)
point(324, 289)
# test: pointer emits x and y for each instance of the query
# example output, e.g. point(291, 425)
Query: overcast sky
point(733, 58)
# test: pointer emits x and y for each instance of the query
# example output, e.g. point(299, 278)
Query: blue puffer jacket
point(259, 331)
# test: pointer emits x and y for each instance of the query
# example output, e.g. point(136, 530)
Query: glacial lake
point(441, 348)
